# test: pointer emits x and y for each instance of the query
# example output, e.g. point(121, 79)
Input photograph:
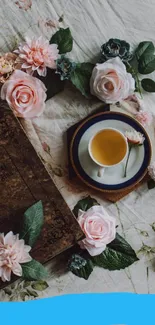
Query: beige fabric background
point(92, 23)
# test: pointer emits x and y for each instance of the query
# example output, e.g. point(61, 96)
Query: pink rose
point(25, 94)
point(110, 81)
point(98, 227)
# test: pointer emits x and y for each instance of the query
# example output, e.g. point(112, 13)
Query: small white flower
point(151, 170)
point(134, 137)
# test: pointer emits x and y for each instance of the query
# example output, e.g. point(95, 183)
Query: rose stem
point(133, 72)
point(130, 147)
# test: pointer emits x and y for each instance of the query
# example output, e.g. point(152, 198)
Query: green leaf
point(33, 270)
point(26, 284)
point(120, 244)
point(63, 39)
point(80, 78)
point(32, 293)
point(147, 64)
point(144, 48)
point(52, 83)
point(80, 266)
point(117, 255)
point(144, 233)
point(40, 285)
point(33, 222)
point(148, 85)
point(23, 294)
point(61, 18)
point(153, 226)
point(84, 205)
point(151, 184)
point(8, 291)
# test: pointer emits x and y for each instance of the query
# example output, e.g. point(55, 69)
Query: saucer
point(113, 178)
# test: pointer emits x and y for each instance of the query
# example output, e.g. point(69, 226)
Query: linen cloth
point(92, 23)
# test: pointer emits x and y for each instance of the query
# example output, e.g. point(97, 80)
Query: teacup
point(108, 148)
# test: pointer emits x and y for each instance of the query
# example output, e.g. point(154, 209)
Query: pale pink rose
point(13, 252)
point(24, 4)
point(36, 54)
point(145, 118)
point(110, 81)
point(25, 94)
point(98, 227)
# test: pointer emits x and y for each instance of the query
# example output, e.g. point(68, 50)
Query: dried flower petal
point(151, 170)
point(145, 118)
point(8, 63)
point(48, 24)
point(24, 4)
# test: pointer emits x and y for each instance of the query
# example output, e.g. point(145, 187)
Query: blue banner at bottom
point(92, 309)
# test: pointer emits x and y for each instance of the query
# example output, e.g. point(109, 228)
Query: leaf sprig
point(145, 55)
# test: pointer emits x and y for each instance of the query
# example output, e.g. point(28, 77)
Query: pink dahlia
point(37, 54)
point(13, 252)
point(145, 118)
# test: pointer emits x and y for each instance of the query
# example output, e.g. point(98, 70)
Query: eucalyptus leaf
point(33, 222)
point(40, 285)
point(80, 266)
point(147, 64)
point(80, 78)
point(63, 39)
point(153, 226)
point(144, 48)
point(26, 284)
point(117, 255)
point(33, 270)
point(32, 293)
point(84, 204)
point(8, 291)
point(23, 294)
point(148, 85)
point(144, 233)
point(151, 184)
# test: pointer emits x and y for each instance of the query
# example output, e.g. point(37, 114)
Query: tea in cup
point(108, 148)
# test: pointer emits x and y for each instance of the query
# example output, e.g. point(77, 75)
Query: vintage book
point(24, 181)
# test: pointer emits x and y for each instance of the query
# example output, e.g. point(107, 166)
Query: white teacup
point(108, 147)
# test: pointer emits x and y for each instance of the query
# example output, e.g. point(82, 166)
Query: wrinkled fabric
point(92, 23)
